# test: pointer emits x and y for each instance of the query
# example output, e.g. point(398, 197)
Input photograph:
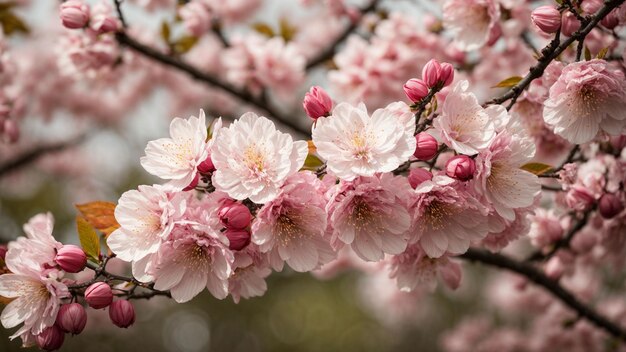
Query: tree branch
point(38, 152)
point(536, 276)
point(552, 51)
point(329, 52)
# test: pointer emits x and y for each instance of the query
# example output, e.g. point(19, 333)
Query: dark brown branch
point(536, 276)
point(36, 153)
point(329, 52)
point(243, 95)
point(120, 14)
point(552, 51)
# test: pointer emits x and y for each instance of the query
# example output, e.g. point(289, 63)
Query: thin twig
point(536, 276)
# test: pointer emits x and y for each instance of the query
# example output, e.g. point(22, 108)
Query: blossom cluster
point(411, 168)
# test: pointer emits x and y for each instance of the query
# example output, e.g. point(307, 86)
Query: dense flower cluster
point(401, 190)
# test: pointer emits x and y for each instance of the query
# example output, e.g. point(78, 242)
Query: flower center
point(361, 146)
point(254, 159)
point(436, 215)
point(288, 228)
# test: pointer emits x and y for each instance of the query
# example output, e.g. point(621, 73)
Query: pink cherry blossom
point(354, 143)
point(250, 268)
point(369, 215)
point(447, 217)
point(414, 268)
point(38, 249)
point(292, 227)
point(588, 97)
point(473, 23)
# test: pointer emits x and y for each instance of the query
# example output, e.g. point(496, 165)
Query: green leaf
point(165, 31)
point(536, 168)
point(264, 29)
point(509, 82)
point(185, 44)
point(312, 162)
point(89, 239)
point(602, 53)
point(587, 54)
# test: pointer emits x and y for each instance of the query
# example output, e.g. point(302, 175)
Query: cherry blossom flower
point(473, 23)
point(177, 158)
point(369, 214)
point(447, 217)
point(499, 176)
point(292, 227)
point(464, 125)
point(588, 97)
point(191, 260)
point(38, 249)
point(253, 159)
point(414, 268)
point(250, 269)
point(356, 144)
point(146, 217)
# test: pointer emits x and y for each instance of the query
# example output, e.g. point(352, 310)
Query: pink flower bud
point(546, 18)
point(430, 73)
point(419, 175)
point(51, 338)
point(74, 14)
point(570, 24)
point(415, 89)
point(554, 268)
point(461, 167)
point(122, 313)
point(235, 216)
point(591, 6)
point(426, 146)
point(317, 103)
point(3, 251)
point(71, 258)
point(11, 130)
point(193, 183)
point(104, 23)
point(99, 295)
point(446, 75)
point(238, 238)
point(72, 318)
point(206, 166)
point(610, 21)
point(579, 198)
point(610, 205)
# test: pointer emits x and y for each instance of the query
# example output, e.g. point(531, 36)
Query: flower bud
point(99, 295)
point(415, 89)
point(430, 73)
point(74, 14)
point(238, 238)
point(554, 268)
point(206, 166)
point(71, 258)
point(317, 103)
point(419, 175)
point(235, 216)
point(3, 251)
point(461, 167)
point(72, 318)
point(546, 18)
point(426, 146)
point(610, 205)
point(610, 21)
point(446, 75)
point(51, 338)
point(122, 313)
point(570, 24)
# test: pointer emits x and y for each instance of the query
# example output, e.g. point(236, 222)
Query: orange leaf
point(100, 215)
point(312, 147)
point(5, 301)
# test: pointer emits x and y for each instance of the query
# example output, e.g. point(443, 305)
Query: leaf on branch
point(264, 29)
point(602, 54)
point(312, 147)
point(287, 30)
point(587, 54)
point(536, 168)
point(165, 32)
point(11, 23)
point(312, 162)
point(100, 215)
point(89, 239)
point(509, 82)
point(185, 44)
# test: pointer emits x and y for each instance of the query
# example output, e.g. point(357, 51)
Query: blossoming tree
point(487, 131)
